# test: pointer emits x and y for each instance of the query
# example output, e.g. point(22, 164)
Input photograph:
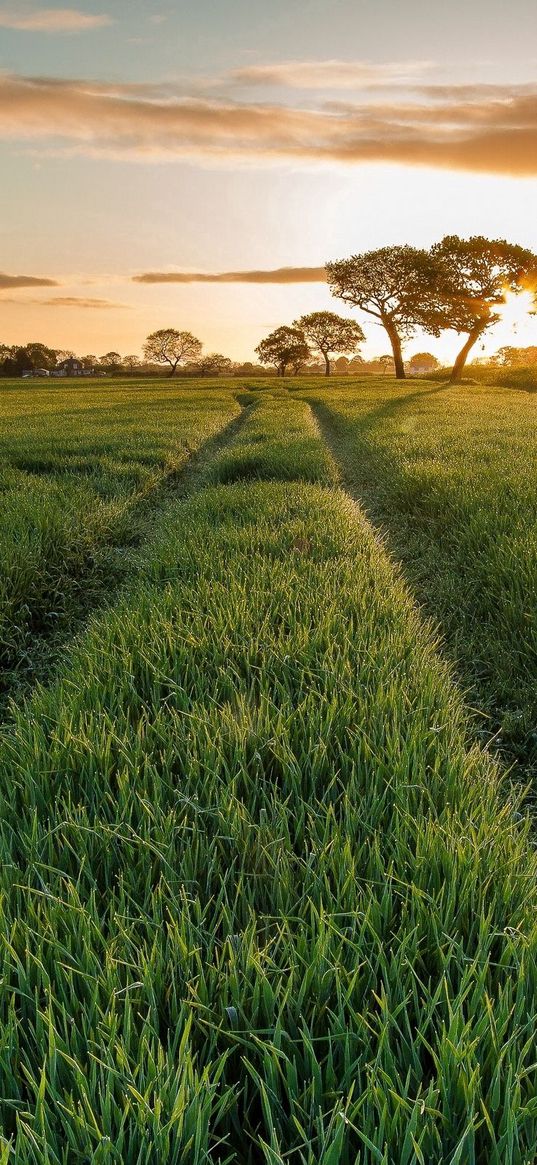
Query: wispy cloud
point(466, 127)
point(10, 282)
point(278, 275)
point(52, 20)
point(79, 301)
point(65, 301)
point(333, 74)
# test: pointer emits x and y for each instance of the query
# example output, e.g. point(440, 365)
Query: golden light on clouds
point(332, 74)
point(277, 275)
point(467, 128)
point(12, 282)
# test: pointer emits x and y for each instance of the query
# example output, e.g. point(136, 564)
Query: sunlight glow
point(517, 325)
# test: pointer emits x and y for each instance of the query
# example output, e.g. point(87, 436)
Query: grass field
point(451, 476)
point(264, 898)
point(79, 473)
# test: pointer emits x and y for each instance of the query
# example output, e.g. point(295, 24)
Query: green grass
point(262, 902)
point(280, 442)
point(524, 379)
point(80, 472)
point(450, 475)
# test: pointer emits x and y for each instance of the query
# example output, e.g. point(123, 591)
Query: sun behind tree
point(474, 276)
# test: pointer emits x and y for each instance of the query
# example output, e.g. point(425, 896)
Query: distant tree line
point(32, 357)
point(509, 357)
point(15, 360)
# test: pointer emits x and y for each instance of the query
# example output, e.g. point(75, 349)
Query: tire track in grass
point(327, 436)
point(108, 564)
point(478, 719)
point(188, 477)
point(329, 440)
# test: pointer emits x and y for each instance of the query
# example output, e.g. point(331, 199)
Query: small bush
point(522, 378)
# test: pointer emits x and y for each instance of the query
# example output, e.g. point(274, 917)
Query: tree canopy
point(512, 357)
point(214, 364)
point(283, 347)
point(168, 346)
point(111, 361)
point(472, 277)
point(423, 362)
point(330, 334)
point(131, 362)
point(389, 284)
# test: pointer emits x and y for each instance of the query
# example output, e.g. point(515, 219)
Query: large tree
point(472, 279)
point(17, 362)
point(330, 334)
point(168, 346)
point(41, 356)
point(388, 284)
point(283, 347)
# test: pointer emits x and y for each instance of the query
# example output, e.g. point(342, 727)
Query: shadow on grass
point(454, 556)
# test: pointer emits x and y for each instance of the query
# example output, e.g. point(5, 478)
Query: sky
point(144, 142)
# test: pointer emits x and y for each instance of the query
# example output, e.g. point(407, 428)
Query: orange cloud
point(64, 301)
point(279, 275)
point(331, 74)
point(460, 128)
point(52, 20)
point(78, 301)
point(8, 282)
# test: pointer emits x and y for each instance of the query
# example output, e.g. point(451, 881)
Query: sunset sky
point(142, 140)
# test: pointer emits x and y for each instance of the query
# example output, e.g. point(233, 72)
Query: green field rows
point(78, 476)
point(262, 900)
point(451, 475)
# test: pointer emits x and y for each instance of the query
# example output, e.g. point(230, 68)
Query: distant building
point(423, 363)
point(35, 372)
point(71, 367)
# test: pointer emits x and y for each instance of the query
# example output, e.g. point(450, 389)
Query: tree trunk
point(395, 342)
point(458, 367)
point(327, 364)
